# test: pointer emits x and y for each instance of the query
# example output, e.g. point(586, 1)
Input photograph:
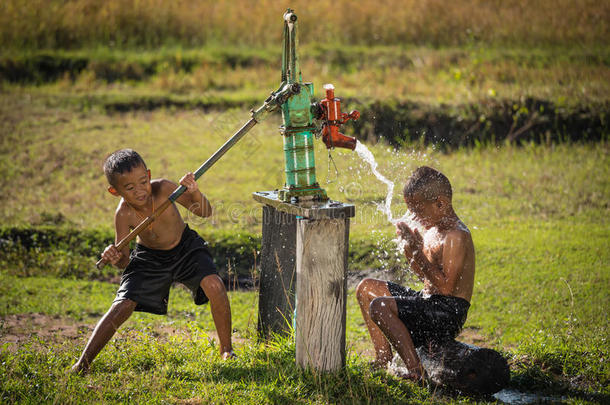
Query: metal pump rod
point(273, 102)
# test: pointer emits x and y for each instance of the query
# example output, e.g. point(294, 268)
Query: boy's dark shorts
point(150, 273)
point(437, 318)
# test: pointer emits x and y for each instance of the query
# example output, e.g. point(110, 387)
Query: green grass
point(167, 358)
point(537, 299)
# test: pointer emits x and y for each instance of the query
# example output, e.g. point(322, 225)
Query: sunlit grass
point(150, 23)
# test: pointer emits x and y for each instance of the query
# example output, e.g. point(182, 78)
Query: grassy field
point(537, 299)
point(174, 80)
point(53, 156)
point(538, 214)
point(216, 76)
point(169, 359)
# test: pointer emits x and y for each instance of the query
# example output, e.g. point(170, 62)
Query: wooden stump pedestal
point(277, 272)
point(318, 253)
point(321, 293)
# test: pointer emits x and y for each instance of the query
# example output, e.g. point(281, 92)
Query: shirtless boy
point(167, 251)
point(441, 253)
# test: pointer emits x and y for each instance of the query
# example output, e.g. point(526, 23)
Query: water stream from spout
point(365, 154)
point(386, 207)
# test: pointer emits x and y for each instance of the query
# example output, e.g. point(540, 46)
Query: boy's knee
point(362, 288)
point(383, 309)
point(377, 309)
point(213, 286)
point(121, 310)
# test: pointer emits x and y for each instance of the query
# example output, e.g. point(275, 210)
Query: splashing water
point(409, 218)
point(365, 154)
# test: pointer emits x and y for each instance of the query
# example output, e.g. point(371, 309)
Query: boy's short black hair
point(121, 161)
point(429, 183)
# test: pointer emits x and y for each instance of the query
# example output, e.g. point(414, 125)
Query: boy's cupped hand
point(412, 237)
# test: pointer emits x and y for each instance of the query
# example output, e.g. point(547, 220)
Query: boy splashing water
point(443, 257)
point(166, 252)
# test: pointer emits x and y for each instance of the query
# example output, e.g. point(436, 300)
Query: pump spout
point(335, 139)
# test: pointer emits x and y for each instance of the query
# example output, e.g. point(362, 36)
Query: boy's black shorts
point(437, 318)
point(150, 273)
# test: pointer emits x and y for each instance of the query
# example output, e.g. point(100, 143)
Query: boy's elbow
point(447, 288)
point(446, 291)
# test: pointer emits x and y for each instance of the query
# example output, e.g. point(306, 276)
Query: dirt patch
point(40, 329)
point(473, 337)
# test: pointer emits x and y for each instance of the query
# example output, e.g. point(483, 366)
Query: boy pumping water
point(167, 251)
point(441, 253)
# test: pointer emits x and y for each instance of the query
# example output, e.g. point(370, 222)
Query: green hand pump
point(298, 129)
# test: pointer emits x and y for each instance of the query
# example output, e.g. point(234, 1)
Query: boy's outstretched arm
point(192, 199)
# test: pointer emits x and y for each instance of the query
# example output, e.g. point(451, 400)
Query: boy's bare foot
point(378, 365)
point(228, 355)
point(416, 377)
point(79, 369)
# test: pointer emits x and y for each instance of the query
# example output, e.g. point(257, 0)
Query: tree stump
point(466, 368)
point(277, 272)
point(322, 247)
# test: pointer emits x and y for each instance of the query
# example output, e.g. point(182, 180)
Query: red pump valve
point(333, 119)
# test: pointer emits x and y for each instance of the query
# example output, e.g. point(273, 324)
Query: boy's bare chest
point(433, 246)
point(165, 231)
